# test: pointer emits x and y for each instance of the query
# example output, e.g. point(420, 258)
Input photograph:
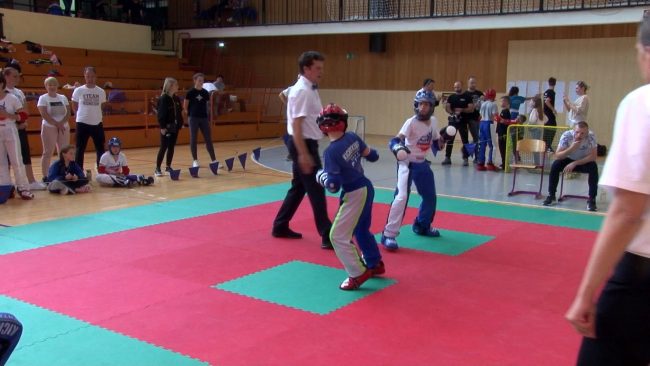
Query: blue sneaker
point(389, 243)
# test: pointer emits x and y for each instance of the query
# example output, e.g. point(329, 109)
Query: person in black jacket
point(170, 119)
point(65, 175)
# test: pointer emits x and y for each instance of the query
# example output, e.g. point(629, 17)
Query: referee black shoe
point(286, 233)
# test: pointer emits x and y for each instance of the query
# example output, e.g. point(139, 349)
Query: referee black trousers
point(301, 184)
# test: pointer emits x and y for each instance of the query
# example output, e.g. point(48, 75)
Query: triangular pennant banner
point(256, 153)
point(470, 149)
point(194, 172)
point(229, 163)
point(214, 167)
point(434, 148)
point(242, 160)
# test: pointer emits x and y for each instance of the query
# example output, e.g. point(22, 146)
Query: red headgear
point(490, 94)
point(332, 118)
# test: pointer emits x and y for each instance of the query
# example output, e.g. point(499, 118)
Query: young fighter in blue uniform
point(343, 170)
point(418, 135)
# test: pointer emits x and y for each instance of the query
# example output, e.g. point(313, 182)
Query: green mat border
point(58, 231)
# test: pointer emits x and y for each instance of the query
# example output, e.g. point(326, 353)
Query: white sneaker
point(60, 187)
point(37, 186)
point(195, 164)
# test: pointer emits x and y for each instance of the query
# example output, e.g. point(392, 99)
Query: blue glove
point(396, 145)
point(372, 156)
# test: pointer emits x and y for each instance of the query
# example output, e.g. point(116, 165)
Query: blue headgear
point(424, 96)
point(114, 141)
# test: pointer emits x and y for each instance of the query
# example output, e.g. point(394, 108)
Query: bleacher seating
point(139, 77)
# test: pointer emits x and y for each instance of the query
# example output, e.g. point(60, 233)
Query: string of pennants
point(214, 167)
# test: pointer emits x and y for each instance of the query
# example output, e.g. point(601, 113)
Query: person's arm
point(448, 107)
point(623, 221)
point(186, 105)
point(53, 173)
point(305, 160)
point(282, 97)
point(46, 116)
point(547, 102)
point(589, 158)
point(163, 113)
point(469, 108)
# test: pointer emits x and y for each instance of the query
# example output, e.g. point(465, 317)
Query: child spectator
point(418, 135)
point(343, 170)
point(11, 110)
point(486, 130)
point(113, 169)
point(66, 176)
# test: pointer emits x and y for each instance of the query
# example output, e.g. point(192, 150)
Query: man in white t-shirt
point(616, 326)
point(87, 101)
point(303, 108)
point(576, 152)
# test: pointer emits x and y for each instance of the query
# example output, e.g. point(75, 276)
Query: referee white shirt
point(304, 101)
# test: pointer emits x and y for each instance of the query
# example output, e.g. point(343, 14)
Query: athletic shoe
point(353, 283)
point(326, 243)
point(37, 186)
point(158, 173)
point(389, 243)
point(195, 164)
point(286, 233)
point(379, 269)
point(447, 161)
point(481, 167)
point(168, 169)
point(549, 200)
point(591, 205)
point(433, 233)
point(465, 162)
point(491, 167)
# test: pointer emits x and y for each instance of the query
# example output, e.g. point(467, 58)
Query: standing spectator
point(12, 77)
point(195, 107)
point(427, 86)
point(474, 117)
point(515, 101)
point(489, 112)
point(302, 110)
point(67, 4)
point(550, 113)
point(87, 102)
point(460, 107)
point(66, 176)
point(579, 108)
point(616, 327)
point(55, 130)
point(136, 12)
point(536, 117)
point(10, 112)
point(219, 84)
point(170, 119)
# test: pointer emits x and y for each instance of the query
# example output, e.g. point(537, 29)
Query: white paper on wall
point(522, 85)
point(572, 91)
point(509, 85)
point(560, 90)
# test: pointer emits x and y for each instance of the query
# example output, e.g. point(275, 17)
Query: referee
point(303, 107)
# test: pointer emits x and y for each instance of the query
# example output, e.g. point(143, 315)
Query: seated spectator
point(219, 84)
point(54, 9)
point(65, 175)
point(113, 169)
point(576, 152)
point(242, 12)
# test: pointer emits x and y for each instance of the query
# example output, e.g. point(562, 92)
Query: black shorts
point(24, 147)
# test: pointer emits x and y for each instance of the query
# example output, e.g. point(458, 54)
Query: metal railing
point(278, 12)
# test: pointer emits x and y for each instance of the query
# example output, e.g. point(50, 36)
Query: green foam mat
point(304, 286)
point(53, 339)
point(449, 243)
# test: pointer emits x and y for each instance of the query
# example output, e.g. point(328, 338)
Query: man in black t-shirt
point(459, 106)
point(195, 106)
point(550, 113)
point(474, 117)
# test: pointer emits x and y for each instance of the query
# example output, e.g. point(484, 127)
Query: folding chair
point(527, 156)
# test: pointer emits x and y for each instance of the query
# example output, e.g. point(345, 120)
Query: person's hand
point(582, 316)
point(21, 126)
point(306, 163)
point(74, 178)
point(569, 168)
point(68, 176)
point(163, 131)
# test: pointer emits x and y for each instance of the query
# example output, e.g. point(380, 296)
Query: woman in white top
point(578, 109)
point(55, 130)
point(616, 326)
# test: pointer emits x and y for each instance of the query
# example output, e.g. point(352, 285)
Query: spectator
point(474, 117)
point(576, 152)
point(550, 113)
point(459, 106)
point(170, 119)
point(55, 130)
point(113, 170)
point(12, 77)
point(66, 176)
point(195, 107)
point(578, 109)
point(536, 117)
point(489, 112)
point(219, 84)
point(136, 12)
point(242, 12)
point(427, 86)
point(87, 102)
point(10, 142)
point(54, 9)
point(515, 101)
point(67, 4)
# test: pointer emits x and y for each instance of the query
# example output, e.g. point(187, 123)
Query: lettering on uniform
point(8, 329)
point(91, 99)
point(352, 153)
point(424, 143)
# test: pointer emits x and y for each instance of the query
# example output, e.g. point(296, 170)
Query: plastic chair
point(527, 157)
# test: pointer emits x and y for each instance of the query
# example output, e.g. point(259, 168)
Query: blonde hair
point(51, 80)
point(169, 81)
